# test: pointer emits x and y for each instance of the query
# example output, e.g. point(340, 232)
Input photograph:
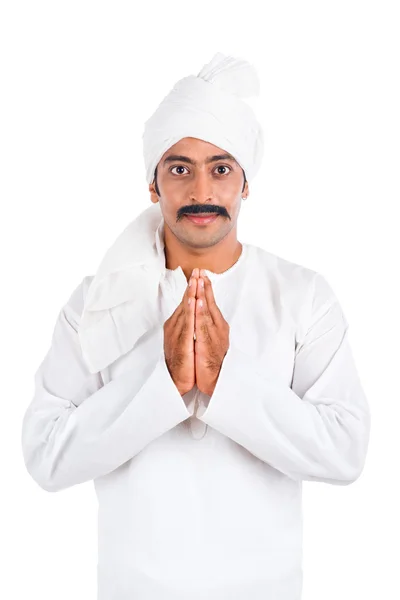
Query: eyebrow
point(209, 159)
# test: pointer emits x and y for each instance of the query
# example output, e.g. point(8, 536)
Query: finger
point(193, 282)
point(190, 306)
point(203, 305)
point(203, 322)
point(213, 307)
point(183, 331)
point(190, 291)
point(188, 300)
point(202, 327)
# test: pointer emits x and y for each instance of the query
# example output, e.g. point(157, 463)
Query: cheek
point(230, 195)
point(233, 208)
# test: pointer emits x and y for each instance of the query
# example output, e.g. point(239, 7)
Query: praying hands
point(196, 338)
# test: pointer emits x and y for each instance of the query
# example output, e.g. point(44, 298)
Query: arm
point(77, 429)
point(317, 429)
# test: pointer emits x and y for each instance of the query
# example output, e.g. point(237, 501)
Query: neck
point(217, 258)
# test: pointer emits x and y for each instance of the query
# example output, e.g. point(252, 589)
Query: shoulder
point(284, 273)
point(295, 282)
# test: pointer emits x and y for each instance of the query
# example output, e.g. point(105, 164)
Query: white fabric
point(209, 106)
point(185, 511)
point(121, 303)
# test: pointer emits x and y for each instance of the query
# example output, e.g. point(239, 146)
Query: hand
point(179, 342)
point(212, 336)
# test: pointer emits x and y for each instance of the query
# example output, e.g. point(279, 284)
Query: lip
point(198, 220)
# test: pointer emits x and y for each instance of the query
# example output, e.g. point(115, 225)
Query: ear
point(246, 190)
point(153, 194)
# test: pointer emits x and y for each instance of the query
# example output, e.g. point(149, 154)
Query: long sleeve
point(315, 429)
point(76, 428)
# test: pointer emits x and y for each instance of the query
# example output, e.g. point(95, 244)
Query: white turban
point(209, 107)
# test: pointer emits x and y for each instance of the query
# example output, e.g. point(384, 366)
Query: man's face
point(191, 184)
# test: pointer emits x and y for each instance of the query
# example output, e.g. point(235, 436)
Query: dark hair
point(158, 191)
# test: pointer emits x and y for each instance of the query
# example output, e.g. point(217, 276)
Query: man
point(196, 379)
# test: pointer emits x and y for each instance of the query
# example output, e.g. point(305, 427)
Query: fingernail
point(189, 301)
point(193, 272)
point(202, 282)
point(190, 282)
point(200, 302)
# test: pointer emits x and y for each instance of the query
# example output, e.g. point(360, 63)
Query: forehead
point(194, 144)
point(197, 150)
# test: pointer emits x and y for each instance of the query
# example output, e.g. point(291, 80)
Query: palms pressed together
point(211, 335)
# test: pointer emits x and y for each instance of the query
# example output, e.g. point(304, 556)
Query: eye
point(177, 167)
point(223, 167)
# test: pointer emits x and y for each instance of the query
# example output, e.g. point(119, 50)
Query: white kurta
point(209, 506)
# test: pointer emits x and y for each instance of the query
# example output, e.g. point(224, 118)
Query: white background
point(78, 80)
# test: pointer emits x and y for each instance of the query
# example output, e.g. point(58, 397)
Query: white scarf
point(121, 302)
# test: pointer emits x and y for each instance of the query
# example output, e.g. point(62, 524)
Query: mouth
point(202, 220)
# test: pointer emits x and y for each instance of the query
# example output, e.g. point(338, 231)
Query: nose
point(201, 190)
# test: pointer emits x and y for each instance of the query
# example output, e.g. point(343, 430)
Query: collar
point(121, 302)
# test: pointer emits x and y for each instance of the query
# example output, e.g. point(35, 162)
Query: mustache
point(195, 209)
